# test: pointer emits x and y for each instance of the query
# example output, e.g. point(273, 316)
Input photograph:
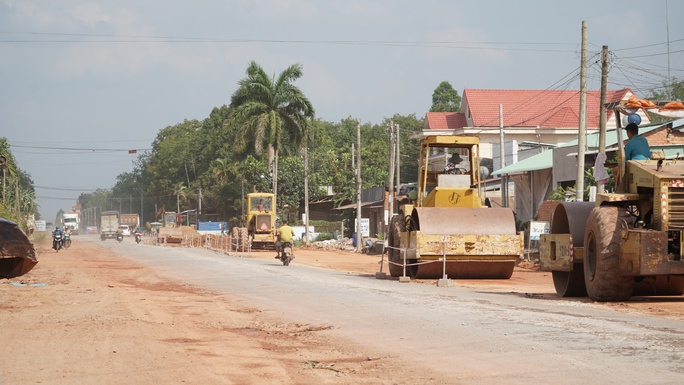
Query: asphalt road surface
point(488, 337)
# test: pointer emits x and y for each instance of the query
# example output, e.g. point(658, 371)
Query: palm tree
point(220, 168)
point(270, 112)
point(179, 191)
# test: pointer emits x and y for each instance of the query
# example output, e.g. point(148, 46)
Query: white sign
point(538, 228)
point(41, 225)
point(365, 227)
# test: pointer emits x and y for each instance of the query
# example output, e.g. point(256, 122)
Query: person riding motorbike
point(284, 236)
point(66, 239)
point(137, 234)
point(57, 235)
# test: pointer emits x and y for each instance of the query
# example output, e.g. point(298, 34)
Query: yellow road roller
point(447, 231)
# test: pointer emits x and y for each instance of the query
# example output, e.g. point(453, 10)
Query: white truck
point(71, 220)
point(109, 224)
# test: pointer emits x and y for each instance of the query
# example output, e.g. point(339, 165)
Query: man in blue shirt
point(637, 146)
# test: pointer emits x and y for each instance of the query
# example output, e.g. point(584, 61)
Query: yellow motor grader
point(260, 232)
point(447, 229)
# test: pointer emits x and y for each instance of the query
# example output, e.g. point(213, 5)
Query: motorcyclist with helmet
point(57, 236)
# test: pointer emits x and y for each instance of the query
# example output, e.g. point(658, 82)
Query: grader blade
point(17, 254)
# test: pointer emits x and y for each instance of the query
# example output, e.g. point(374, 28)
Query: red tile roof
point(445, 120)
point(524, 108)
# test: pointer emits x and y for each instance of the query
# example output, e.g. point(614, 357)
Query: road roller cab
point(447, 220)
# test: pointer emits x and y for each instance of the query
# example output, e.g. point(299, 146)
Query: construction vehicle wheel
point(394, 241)
point(601, 255)
point(234, 238)
point(244, 239)
point(571, 218)
point(570, 283)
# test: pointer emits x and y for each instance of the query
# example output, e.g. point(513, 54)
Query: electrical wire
point(475, 45)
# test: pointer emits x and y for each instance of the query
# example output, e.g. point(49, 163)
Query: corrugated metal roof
point(545, 159)
point(537, 162)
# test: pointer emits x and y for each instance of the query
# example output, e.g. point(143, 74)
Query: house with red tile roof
point(536, 116)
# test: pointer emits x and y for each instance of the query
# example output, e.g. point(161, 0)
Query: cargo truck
point(132, 220)
point(71, 221)
point(109, 224)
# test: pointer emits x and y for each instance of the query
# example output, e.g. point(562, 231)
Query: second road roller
point(447, 231)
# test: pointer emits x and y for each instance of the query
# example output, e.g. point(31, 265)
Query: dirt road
point(86, 315)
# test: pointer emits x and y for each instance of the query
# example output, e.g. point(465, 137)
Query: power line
point(83, 149)
point(101, 38)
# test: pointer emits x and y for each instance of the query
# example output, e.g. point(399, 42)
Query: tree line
point(255, 144)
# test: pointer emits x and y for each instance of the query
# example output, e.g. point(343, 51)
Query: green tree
point(445, 98)
point(271, 113)
point(17, 189)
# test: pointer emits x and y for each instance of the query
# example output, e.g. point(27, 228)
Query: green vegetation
point(226, 155)
point(445, 99)
point(18, 196)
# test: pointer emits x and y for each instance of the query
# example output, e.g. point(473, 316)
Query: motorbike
point(138, 237)
point(119, 237)
point(286, 255)
point(67, 240)
point(57, 241)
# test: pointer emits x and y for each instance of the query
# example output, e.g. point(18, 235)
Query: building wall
point(664, 137)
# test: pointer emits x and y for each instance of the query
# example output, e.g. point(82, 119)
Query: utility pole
point(398, 162)
point(142, 212)
point(306, 185)
point(581, 135)
point(17, 199)
point(604, 113)
point(502, 156)
point(391, 175)
point(358, 185)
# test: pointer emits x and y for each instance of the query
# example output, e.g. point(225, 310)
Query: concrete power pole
point(390, 199)
point(398, 162)
point(604, 113)
point(306, 187)
point(502, 156)
point(581, 136)
point(358, 186)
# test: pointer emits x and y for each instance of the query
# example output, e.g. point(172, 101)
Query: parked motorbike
point(286, 255)
point(67, 240)
point(57, 241)
point(138, 237)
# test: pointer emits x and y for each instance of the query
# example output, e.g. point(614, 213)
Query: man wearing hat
point(454, 165)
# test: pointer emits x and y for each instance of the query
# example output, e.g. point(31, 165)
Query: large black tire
point(234, 238)
point(394, 241)
point(601, 255)
point(244, 239)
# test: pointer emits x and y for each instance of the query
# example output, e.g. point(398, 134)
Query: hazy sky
point(83, 81)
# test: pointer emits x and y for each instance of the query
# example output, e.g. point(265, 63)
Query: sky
point(82, 82)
